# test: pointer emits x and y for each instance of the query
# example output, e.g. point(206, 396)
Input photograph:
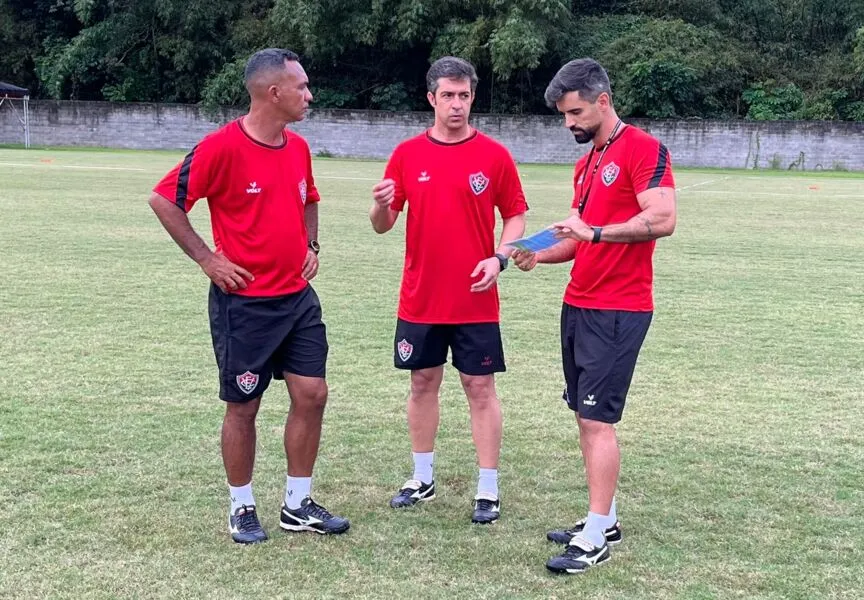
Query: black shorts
point(476, 347)
point(599, 349)
point(257, 339)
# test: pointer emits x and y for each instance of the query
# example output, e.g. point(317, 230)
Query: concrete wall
point(373, 134)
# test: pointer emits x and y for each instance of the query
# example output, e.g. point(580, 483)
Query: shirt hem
point(605, 306)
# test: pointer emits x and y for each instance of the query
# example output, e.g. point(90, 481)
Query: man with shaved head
point(265, 318)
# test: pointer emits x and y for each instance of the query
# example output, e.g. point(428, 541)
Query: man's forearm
point(176, 223)
point(310, 216)
point(513, 229)
point(562, 252)
point(644, 227)
point(382, 217)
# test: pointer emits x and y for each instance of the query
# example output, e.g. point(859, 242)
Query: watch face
point(314, 246)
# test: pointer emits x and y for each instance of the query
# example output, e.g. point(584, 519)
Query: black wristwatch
point(314, 246)
point(503, 260)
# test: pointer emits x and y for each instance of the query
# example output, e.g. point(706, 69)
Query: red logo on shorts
point(405, 349)
point(487, 361)
point(247, 382)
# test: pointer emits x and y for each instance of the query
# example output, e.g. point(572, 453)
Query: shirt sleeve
point(651, 167)
point(509, 197)
point(312, 195)
point(394, 172)
point(192, 178)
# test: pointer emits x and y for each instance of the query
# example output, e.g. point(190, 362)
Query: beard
point(583, 136)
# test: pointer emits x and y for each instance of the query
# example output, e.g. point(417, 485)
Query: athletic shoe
point(245, 527)
point(312, 517)
point(487, 509)
point(563, 536)
point(579, 556)
point(413, 492)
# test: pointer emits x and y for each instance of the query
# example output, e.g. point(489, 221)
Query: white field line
point(51, 166)
point(780, 194)
point(701, 183)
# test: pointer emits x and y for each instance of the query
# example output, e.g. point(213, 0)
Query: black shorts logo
point(247, 382)
point(405, 349)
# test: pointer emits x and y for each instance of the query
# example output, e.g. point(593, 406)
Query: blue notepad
point(535, 243)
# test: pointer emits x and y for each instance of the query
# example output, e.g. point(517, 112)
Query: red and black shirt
point(613, 276)
point(257, 196)
point(452, 191)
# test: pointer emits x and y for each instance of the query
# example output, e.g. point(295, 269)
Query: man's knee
point(480, 391)
point(425, 382)
point(590, 428)
point(310, 395)
point(242, 411)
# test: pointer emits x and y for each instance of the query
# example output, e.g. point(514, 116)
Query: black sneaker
point(245, 527)
point(413, 492)
point(312, 517)
point(563, 536)
point(486, 510)
point(579, 556)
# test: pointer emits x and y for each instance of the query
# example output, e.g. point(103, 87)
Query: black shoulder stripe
point(662, 161)
point(183, 180)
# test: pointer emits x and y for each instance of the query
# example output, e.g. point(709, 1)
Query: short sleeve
point(312, 195)
point(394, 172)
point(651, 167)
point(509, 196)
point(192, 178)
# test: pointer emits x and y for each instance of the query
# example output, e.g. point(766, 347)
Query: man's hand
point(225, 274)
point(383, 192)
point(490, 268)
point(525, 260)
point(310, 266)
point(573, 228)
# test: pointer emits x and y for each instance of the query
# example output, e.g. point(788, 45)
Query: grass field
point(743, 441)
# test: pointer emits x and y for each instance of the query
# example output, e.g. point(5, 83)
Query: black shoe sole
point(249, 542)
point(419, 500)
point(303, 528)
point(475, 522)
point(578, 571)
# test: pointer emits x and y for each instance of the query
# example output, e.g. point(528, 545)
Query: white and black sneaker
point(487, 509)
point(579, 556)
point(245, 527)
point(412, 492)
point(312, 517)
point(563, 536)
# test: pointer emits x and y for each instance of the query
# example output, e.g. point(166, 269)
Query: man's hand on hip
point(225, 274)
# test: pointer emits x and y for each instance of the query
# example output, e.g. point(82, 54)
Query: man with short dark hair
point(265, 318)
point(624, 200)
point(453, 178)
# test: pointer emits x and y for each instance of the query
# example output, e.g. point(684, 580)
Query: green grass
point(742, 440)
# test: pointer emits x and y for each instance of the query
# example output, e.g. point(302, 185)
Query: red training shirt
point(452, 191)
point(615, 276)
point(257, 196)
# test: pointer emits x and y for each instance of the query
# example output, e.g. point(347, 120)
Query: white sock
point(613, 514)
point(297, 489)
point(423, 466)
point(241, 495)
point(594, 528)
point(487, 483)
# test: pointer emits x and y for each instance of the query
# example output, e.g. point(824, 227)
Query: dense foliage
point(759, 59)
